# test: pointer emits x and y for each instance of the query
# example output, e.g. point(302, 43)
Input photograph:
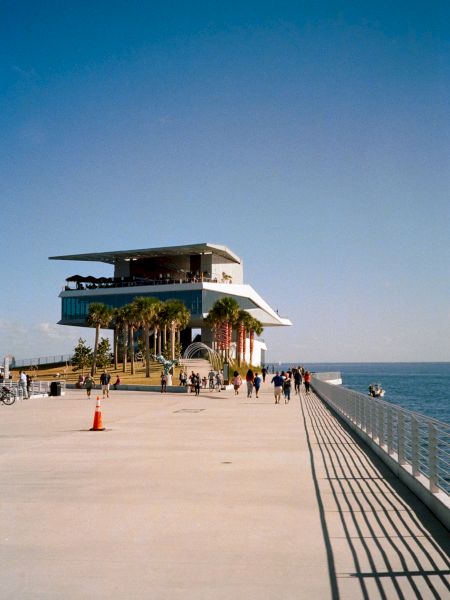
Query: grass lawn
point(68, 374)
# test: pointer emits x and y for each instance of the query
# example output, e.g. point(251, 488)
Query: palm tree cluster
point(150, 315)
point(226, 316)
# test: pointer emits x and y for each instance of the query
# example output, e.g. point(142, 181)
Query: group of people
point(282, 383)
point(195, 382)
point(252, 380)
point(88, 383)
point(24, 383)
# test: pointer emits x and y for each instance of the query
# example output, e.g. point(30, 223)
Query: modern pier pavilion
point(197, 274)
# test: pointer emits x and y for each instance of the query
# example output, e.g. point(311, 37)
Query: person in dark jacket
point(105, 378)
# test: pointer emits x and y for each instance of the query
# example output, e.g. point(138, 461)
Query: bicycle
point(8, 395)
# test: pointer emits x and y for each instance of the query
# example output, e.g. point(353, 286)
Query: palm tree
point(255, 327)
point(212, 321)
point(223, 314)
point(177, 317)
point(243, 322)
point(163, 323)
point(119, 321)
point(146, 311)
point(131, 323)
point(99, 316)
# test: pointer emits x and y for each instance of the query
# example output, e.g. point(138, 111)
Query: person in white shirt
point(23, 383)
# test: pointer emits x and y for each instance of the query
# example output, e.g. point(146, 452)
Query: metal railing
point(143, 282)
point(420, 443)
point(41, 360)
point(37, 388)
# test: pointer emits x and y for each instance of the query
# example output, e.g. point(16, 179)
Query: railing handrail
point(406, 411)
point(41, 360)
point(37, 386)
point(418, 443)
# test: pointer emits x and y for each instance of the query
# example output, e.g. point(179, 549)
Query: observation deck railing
point(416, 446)
point(109, 283)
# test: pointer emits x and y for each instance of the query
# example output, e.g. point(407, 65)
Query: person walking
point(264, 373)
point(287, 389)
point(219, 380)
point(163, 382)
point(237, 382)
point(192, 381)
point(257, 383)
point(183, 378)
point(277, 381)
point(23, 384)
point(105, 378)
point(89, 383)
point(211, 376)
point(29, 382)
point(307, 380)
point(197, 384)
point(249, 378)
point(297, 380)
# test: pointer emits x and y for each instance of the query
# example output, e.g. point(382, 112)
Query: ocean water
point(421, 387)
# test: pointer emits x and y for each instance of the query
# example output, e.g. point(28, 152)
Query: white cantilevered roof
point(114, 256)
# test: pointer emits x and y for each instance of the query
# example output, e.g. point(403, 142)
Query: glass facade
point(75, 308)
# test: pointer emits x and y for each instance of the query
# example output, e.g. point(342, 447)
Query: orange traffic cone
point(98, 425)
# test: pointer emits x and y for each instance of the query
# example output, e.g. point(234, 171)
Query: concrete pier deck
point(209, 497)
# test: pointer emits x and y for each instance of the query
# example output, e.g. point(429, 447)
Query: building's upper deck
point(193, 262)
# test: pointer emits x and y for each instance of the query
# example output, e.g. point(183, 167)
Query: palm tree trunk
point(132, 349)
point(240, 342)
point(147, 351)
point(225, 340)
point(172, 340)
point(155, 339)
point(252, 340)
point(159, 341)
point(116, 347)
point(244, 345)
point(165, 338)
point(94, 358)
point(125, 348)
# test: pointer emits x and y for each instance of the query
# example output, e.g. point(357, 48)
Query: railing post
point(415, 446)
point(366, 416)
point(380, 424)
point(401, 438)
point(374, 421)
point(432, 457)
point(389, 432)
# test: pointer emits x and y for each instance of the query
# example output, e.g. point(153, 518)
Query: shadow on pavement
point(381, 541)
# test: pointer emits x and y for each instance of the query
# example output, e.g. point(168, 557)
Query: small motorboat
point(376, 391)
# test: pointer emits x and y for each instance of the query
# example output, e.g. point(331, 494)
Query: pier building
point(197, 274)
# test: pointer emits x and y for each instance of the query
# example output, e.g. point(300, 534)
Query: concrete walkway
point(210, 497)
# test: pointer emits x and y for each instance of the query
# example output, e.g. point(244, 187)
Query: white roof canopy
point(117, 255)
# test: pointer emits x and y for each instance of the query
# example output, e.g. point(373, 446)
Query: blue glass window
point(76, 308)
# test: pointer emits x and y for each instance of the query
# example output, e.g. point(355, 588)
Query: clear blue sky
point(311, 138)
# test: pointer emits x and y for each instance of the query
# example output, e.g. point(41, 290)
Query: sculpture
point(167, 364)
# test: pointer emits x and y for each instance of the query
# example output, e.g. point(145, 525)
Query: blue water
point(421, 387)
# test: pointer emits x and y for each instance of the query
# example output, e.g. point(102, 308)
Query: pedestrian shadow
point(381, 541)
